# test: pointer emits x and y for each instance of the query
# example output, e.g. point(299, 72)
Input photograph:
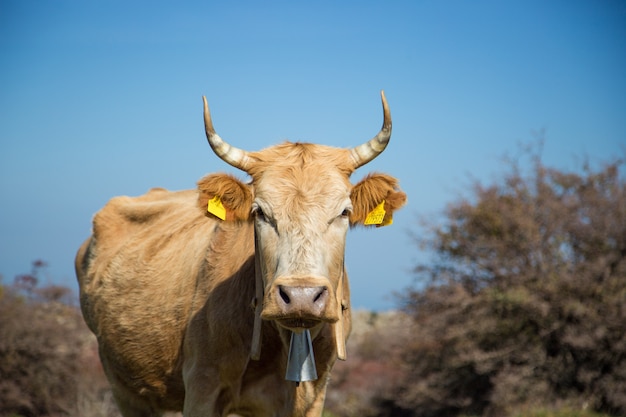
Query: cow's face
point(302, 203)
point(301, 212)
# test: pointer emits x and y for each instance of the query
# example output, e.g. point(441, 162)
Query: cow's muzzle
point(300, 303)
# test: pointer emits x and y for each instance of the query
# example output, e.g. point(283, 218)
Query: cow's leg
point(309, 398)
point(317, 408)
point(199, 403)
point(205, 396)
point(131, 407)
point(201, 393)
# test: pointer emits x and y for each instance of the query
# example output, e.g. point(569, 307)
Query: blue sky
point(103, 98)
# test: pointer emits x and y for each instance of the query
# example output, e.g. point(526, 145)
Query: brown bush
point(524, 304)
point(48, 358)
point(374, 366)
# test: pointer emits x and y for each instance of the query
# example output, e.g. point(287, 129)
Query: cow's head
point(302, 204)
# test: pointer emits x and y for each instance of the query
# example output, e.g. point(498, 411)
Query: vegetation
point(525, 302)
point(520, 313)
point(49, 364)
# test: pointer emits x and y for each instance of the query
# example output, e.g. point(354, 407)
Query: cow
point(203, 300)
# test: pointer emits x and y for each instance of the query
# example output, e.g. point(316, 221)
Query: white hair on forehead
point(308, 252)
point(308, 241)
point(310, 194)
point(303, 193)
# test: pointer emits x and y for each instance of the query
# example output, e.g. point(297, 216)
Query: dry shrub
point(523, 306)
point(49, 364)
point(374, 366)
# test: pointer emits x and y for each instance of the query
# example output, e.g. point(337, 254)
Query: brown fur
point(167, 288)
point(370, 192)
point(297, 155)
point(236, 196)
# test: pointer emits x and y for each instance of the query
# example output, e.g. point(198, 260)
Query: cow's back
point(137, 276)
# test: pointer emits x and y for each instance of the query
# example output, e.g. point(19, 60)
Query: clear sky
point(103, 98)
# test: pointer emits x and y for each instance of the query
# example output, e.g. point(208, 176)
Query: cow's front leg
point(310, 396)
point(130, 405)
point(201, 393)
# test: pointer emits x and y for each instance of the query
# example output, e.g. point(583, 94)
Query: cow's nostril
point(283, 294)
point(320, 294)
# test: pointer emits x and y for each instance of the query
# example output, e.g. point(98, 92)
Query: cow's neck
point(255, 351)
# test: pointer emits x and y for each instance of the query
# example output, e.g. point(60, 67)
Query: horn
point(364, 153)
point(236, 157)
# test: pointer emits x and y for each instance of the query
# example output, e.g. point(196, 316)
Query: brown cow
point(195, 310)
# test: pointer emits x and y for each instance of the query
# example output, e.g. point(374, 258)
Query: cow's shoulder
point(123, 214)
point(158, 220)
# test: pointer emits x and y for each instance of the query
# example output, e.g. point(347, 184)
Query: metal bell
point(301, 362)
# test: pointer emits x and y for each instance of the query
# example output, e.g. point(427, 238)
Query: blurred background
point(100, 99)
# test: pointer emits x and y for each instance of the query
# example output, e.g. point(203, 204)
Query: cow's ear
point(231, 199)
point(369, 193)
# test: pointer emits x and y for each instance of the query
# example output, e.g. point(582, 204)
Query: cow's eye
point(262, 217)
point(346, 212)
point(259, 214)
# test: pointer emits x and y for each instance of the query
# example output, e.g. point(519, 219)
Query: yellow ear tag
point(377, 215)
point(387, 222)
point(216, 207)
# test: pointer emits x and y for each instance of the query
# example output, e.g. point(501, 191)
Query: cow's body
point(163, 282)
point(170, 290)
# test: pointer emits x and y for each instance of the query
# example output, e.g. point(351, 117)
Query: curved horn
point(364, 153)
point(236, 157)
